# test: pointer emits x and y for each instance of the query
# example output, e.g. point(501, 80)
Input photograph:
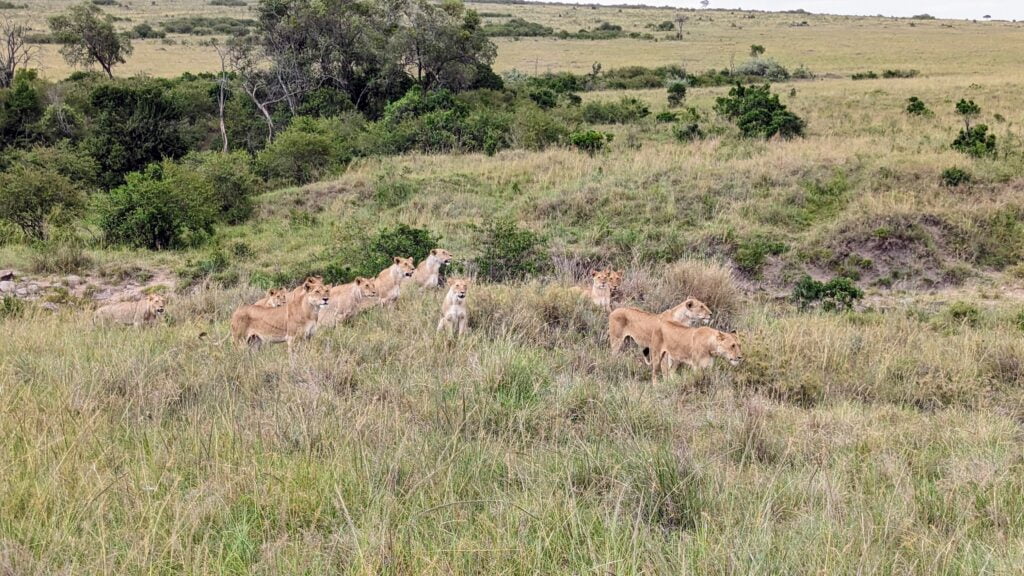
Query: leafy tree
point(967, 110)
point(758, 112)
point(676, 93)
point(590, 141)
point(756, 50)
point(975, 141)
point(134, 124)
point(31, 196)
point(20, 110)
point(88, 36)
point(443, 44)
point(835, 295)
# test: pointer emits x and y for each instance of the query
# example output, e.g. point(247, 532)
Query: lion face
point(443, 255)
point(728, 346)
point(614, 280)
point(600, 279)
point(276, 298)
point(156, 303)
point(405, 265)
point(311, 282)
point(318, 296)
point(693, 313)
point(458, 288)
point(367, 287)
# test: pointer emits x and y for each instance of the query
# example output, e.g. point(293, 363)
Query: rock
point(73, 281)
point(6, 287)
point(20, 292)
point(50, 306)
point(6, 275)
point(32, 288)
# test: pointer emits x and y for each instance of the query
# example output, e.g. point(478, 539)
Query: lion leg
point(463, 325)
point(440, 324)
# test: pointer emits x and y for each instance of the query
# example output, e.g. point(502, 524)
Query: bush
point(63, 159)
point(624, 111)
point(954, 177)
point(32, 196)
point(232, 180)
point(758, 112)
point(544, 97)
point(687, 132)
point(590, 141)
point(676, 93)
point(836, 295)
point(310, 149)
point(899, 73)
point(864, 76)
point(917, 107)
point(975, 141)
point(766, 68)
point(963, 314)
point(391, 189)
point(517, 27)
point(165, 206)
point(751, 254)
point(145, 30)
point(509, 252)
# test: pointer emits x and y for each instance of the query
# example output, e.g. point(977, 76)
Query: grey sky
point(999, 9)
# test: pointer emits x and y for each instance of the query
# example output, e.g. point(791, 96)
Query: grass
point(878, 441)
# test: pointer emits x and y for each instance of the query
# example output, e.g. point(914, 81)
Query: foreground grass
point(524, 448)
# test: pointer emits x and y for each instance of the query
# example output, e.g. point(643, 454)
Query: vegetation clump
point(758, 112)
point(837, 294)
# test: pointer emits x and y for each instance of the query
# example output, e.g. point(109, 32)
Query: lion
point(135, 313)
point(639, 325)
point(256, 325)
point(428, 272)
point(599, 292)
point(273, 299)
point(675, 344)
point(454, 314)
point(389, 281)
point(615, 278)
point(346, 300)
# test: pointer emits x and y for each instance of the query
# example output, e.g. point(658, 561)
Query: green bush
point(954, 177)
point(962, 313)
point(917, 107)
point(676, 93)
point(33, 196)
point(233, 182)
point(310, 149)
point(544, 97)
point(687, 132)
point(392, 189)
point(835, 295)
point(517, 27)
point(624, 111)
point(766, 68)
point(508, 252)
point(975, 141)
point(864, 76)
point(64, 159)
point(590, 141)
point(356, 254)
point(899, 73)
point(666, 117)
point(758, 112)
point(21, 107)
point(750, 254)
point(166, 206)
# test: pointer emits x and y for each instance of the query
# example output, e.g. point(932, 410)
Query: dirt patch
point(73, 290)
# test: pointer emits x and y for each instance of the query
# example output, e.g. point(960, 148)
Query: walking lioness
point(676, 344)
point(389, 281)
point(428, 272)
point(346, 300)
point(135, 313)
point(454, 314)
point(639, 325)
point(256, 325)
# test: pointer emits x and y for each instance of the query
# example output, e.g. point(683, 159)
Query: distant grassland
point(714, 39)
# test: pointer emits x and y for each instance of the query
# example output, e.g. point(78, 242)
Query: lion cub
point(346, 300)
point(135, 313)
point(599, 292)
point(297, 318)
point(389, 281)
point(454, 314)
point(428, 272)
point(676, 344)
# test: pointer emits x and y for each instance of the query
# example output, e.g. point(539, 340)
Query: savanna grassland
point(886, 439)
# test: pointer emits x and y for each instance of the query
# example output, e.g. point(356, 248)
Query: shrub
point(227, 3)
point(751, 254)
point(954, 177)
point(356, 254)
point(766, 68)
point(676, 93)
point(802, 73)
point(544, 97)
point(63, 159)
point(666, 117)
point(975, 141)
point(917, 107)
point(145, 30)
point(590, 141)
point(967, 110)
point(517, 27)
point(233, 182)
point(308, 150)
point(165, 206)
point(624, 111)
point(21, 107)
point(508, 252)
point(758, 112)
point(32, 196)
point(687, 132)
point(756, 50)
point(864, 75)
point(964, 314)
point(835, 295)
point(899, 73)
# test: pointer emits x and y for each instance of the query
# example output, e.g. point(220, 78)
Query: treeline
point(521, 28)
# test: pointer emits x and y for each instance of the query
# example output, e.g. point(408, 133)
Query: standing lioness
point(135, 313)
point(255, 325)
point(428, 272)
point(695, 347)
point(454, 314)
point(639, 325)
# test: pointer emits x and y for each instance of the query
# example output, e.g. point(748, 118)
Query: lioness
point(599, 292)
point(695, 347)
point(639, 325)
point(255, 325)
point(615, 278)
point(273, 299)
point(454, 314)
point(135, 313)
point(428, 272)
point(346, 300)
point(389, 281)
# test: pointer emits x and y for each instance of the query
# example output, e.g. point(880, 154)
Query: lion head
point(727, 346)
point(366, 287)
point(156, 303)
point(441, 255)
point(458, 288)
point(692, 312)
point(405, 265)
point(318, 295)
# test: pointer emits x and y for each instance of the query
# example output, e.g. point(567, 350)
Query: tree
point(30, 196)
point(756, 50)
point(14, 51)
point(21, 110)
point(88, 36)
point(263, 81)
point(680, 20)
point(444, 44)
point(222, 92)
point(968, 110)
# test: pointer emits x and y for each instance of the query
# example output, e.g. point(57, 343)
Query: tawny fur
point(257, 325)
point(673, 345)
point(639, 325)
point(135, 313)
point(273, 299)
point(599, 292)
point(346, 301)
point(454, 313)
point(389, 281)
point(428, 272)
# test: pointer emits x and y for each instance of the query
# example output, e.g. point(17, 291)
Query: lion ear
point(721, 335)
point(434, 251)
point(689, 303)
point(397, 260)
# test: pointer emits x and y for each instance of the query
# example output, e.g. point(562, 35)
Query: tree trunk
point(223, 126)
